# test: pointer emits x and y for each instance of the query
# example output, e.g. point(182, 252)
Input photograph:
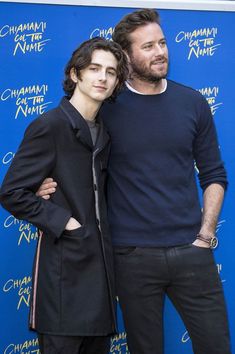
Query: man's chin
point(154, 79)
point(159, 73)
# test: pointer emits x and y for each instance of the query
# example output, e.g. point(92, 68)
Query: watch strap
point(212, 240)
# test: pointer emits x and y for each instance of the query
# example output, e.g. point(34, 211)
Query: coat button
point(95, 187)
point(97, 221)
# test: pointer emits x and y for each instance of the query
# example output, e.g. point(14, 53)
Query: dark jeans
point(188, 275)
point(50, 344)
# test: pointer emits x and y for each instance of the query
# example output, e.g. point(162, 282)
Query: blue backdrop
point(35, 43)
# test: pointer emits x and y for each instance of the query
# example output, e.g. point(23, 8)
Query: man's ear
point(128, 62)
point(128, 57)
point(73, 75)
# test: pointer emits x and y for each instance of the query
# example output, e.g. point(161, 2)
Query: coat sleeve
point(206, 150)
point(33, 162)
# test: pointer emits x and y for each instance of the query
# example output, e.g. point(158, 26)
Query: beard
point(140, 70)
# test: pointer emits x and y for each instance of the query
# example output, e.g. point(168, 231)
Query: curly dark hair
point(81, 59)
point(130, 22)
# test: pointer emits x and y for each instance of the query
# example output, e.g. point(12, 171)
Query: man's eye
point(163, 44)
point(93, 68)
point(112, 73)
point(149, 46)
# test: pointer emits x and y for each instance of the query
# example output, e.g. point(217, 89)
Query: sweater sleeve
point(32, 163)
point(206, 150)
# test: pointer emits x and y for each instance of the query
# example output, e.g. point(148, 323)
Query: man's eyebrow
point(146, 43)
point(149, 42)
point(99, 65)
point(153, 41)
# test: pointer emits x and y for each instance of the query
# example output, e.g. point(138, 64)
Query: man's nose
point(102, 75)
point(159, 50)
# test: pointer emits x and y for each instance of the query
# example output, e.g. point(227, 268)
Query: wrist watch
point(211, 240)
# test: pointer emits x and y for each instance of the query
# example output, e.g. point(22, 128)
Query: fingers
point(47, 187)
point(48, 180)
point(48, 183)
point(42, 192)
point(46, 197)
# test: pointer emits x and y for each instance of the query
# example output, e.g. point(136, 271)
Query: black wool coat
point(73, 285)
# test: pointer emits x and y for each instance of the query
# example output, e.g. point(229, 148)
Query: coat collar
point(81, 128)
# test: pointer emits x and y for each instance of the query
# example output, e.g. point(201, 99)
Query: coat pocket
point(79, 232)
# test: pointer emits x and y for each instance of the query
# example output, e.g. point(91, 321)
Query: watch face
point(214, 242)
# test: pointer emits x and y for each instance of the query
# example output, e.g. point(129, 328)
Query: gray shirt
point(94, 129)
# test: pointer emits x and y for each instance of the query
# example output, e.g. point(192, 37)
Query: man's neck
point(87, 108)
point(148, 88)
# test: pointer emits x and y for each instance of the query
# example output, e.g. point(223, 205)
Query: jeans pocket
point(200, 248)
point(124, 251)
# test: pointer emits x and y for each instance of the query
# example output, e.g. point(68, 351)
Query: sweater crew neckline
point(130, 88)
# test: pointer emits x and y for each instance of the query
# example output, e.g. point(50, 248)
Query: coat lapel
point(78, 123)
point(103, 137)
point(81, 128)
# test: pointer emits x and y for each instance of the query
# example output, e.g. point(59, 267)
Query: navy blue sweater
point(152, 193)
